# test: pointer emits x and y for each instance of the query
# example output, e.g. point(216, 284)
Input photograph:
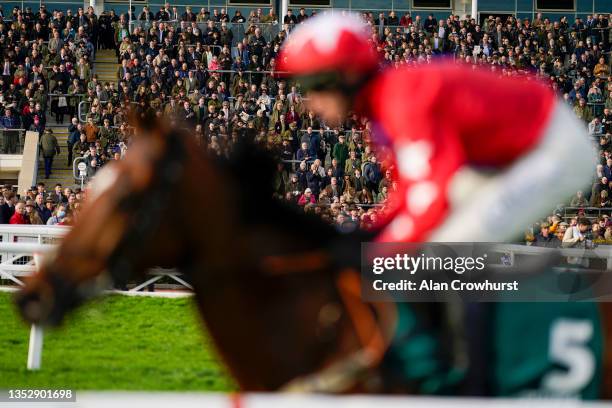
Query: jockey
point(478, 157)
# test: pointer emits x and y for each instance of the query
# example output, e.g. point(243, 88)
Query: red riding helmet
point(329, 44)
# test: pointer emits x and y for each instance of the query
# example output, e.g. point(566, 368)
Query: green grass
point(115, 343)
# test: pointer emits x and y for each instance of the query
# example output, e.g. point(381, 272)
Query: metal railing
point(20, 244)
point(67, 102)
point(238, 30)
point(589, 212)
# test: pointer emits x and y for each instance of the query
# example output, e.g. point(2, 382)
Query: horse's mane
point(252, 168)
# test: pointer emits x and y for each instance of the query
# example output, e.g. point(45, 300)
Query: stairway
point(106, 66)
point(60, 173)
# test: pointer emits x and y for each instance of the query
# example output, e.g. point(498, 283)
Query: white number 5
point(568, 347)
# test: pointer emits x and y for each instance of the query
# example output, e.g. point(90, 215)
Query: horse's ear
point(253, 167)
point(146, 124)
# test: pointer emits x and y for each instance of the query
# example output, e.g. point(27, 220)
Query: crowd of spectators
point(40, 206)
point(216, 74)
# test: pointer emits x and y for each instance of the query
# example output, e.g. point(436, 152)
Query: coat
point(48, 145)
point(313, 181)
point(18, 218)
point(371, 173)
point(340, 153)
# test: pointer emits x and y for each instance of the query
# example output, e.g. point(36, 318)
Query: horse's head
point(130, 221)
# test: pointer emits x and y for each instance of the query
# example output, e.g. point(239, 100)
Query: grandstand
point(212, 68)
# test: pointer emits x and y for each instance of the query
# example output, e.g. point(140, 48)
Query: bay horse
point(280, 301)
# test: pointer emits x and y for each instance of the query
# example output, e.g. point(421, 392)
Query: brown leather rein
point(374, 325)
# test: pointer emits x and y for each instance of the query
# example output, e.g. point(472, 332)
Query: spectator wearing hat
point(306, 198)
point(31, 213)
point(546, 238)
point(49, 149)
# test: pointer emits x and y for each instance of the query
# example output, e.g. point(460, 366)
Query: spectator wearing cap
point(306, 198)
point(545, 238)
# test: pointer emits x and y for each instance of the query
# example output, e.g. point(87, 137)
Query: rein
point(341, 375)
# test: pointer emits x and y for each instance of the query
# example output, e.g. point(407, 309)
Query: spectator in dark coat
point(607, 169)
point(5, 213)
point(341, 151)
point(597, 189)
point(49, 149)
point(304, 153)
point(42, 209)
point(74, 135)
point(313, 179)
point(9, 121)
point(290, 18)
point(546, 239)
point(372, 175)
point(430, 24)
point(301, 174)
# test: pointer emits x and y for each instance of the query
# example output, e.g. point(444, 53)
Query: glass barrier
point(12, 141)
